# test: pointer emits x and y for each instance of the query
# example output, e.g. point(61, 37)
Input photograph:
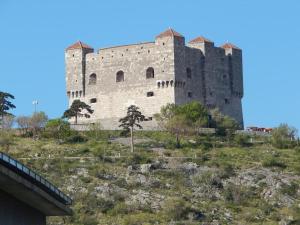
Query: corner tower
point(235, 72)
point(75, 69)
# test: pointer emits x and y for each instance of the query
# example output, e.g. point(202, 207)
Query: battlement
point(152, 74)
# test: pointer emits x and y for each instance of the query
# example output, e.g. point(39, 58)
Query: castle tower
point(205, 46)
point(201, 43)
point(75, 69)
point(235, 72)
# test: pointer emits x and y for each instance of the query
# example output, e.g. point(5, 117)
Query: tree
point(223, 124)
point(183, 119)
point(23, 123)
point(7, 122)
point(132, 119)
point(283, 136)
point(58, 129)
point(38, 121)
point(5, 105)
point(76, 109)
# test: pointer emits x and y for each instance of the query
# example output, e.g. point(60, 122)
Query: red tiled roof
point(169, 33)
point(200, 39)
point(78, 45)
point(229, 45)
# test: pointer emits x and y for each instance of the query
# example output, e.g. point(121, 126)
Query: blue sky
point(34, 34)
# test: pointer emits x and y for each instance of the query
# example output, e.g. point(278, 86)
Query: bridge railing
point(27, 173)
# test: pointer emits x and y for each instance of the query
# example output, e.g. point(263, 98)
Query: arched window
point(158, 84)
point(171, 83)
point(149, 73)
point(163, 84)
point(93, 79)
point(188, 73)
point(120, 76)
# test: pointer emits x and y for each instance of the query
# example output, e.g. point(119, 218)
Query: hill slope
point(204, 182)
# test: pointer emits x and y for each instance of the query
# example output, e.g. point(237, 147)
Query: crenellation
point(153, 74)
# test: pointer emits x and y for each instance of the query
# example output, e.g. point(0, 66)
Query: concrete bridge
point(26, 198)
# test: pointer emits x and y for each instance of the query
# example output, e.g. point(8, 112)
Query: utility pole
point(35, 103)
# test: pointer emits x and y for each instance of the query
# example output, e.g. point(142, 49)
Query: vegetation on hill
point(207, 181)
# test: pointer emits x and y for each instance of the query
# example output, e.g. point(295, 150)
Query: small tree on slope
point(132, 119)
point(76, 109)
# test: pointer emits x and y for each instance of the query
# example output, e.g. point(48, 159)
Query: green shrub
point(57, 129)
point(242, 139)
point(138, 158)
point(290, 189)
point(177, 209)
point(76, 138)
point(238, 194)
point(6, 140)
point(274, 162)
point(284, 137)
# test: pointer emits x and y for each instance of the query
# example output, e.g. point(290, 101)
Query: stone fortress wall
point(152, 74)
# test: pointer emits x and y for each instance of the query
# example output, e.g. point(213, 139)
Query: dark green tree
point(78, 108)
point(131, 120)
point(5, 104)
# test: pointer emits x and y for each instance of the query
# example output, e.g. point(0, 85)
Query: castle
point(152, 74)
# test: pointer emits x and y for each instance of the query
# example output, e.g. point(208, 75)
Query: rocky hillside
point(204, 182)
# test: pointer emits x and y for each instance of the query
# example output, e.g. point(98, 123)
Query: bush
point(177, 209)
point(242, 139)
point(58, 129)
point(284, 137)
point(138, 158)
point(238, 194)
point(6, 140)
point(273, 162)
point(290, 189)
point(76, 138)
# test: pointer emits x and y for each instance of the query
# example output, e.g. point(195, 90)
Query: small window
point(76, 94)
point(171, 83)
point(158, 84)
point(150, 94)
point(190, 94)
point(226, 100)
point(167, 83)
point(93, 100)
point(150, 73)
point(188, 73)
point(93, 79)
point(68, 94)
point(72, 94)
point(80, 93)
point(120, 76)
